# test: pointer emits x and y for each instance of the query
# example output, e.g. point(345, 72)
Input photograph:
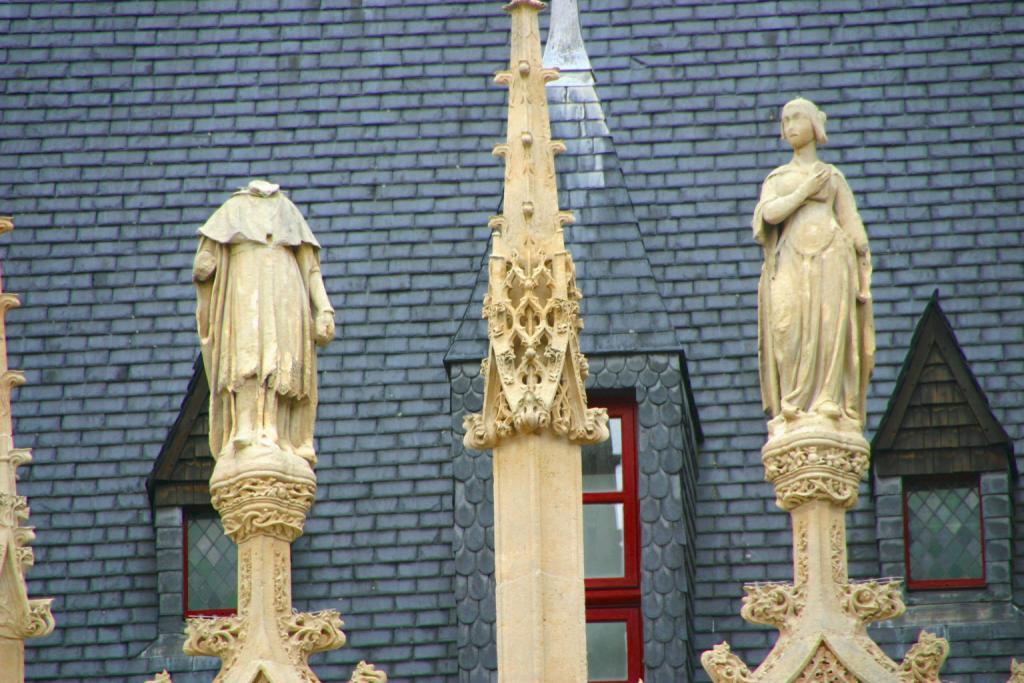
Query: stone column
point(822, 615)
point(535, 415)
point(20, 616)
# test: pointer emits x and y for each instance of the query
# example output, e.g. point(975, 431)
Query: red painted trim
point(917, 483)
point(184, 575)
point(626, 411)
point(618, 599)
point(634, 636)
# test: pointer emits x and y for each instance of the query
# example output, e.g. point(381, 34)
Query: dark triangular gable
point(182, 471)
point(938, 420)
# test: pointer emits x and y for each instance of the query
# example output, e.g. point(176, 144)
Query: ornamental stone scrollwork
point(367, 673)
point(923, 661)
point(311, 632)
point(815, 468)
point(873, 600)
point(40, 618)
point(266, 504)
point(773, 604)
point(215, 637)
point(725, 667)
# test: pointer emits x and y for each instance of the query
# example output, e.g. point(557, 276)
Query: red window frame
point(227, 612)
point(917, 483)
point(618, 598)
point(634, 636)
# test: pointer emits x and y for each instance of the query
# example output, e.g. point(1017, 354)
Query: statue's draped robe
point(816, 341)
point(254, 315)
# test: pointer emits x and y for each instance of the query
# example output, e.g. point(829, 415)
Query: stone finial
point(367, 673)
point(534, 371)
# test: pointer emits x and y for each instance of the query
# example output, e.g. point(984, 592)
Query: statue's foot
point(307, 453)
point(241, 441)
point(829, 409)
point(789, 412)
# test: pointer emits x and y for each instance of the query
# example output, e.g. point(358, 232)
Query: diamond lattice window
point(945, 541)
point(210, 565)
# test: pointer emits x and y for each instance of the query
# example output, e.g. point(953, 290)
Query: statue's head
point(802, 122)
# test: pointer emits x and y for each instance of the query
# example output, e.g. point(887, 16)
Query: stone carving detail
point(814, 379)
point(534, 371)
point(825, 666)
point(309, 633)
point(1016, 672)
point(21, 617)
point(774, 604)
point(725, 667)
point(817, 468)
point(923, 661)
point(837, 550)
point(873, 600)
point(801, 545)
point(215, 637)
point(367, 673)
point(162, 677)
point(265, 504)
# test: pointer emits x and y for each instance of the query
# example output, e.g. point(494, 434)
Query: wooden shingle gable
point(938, 420)
point(182, 470)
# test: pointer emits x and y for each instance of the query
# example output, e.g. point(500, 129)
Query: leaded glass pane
point(603, 536)
point(945, 532)
point(602, 462)
point(212, 564)
point(607, 652)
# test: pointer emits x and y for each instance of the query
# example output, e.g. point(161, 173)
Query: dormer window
point(943, 465)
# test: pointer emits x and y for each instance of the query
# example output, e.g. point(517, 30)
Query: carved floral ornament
point(303, 633)
point(268, 504)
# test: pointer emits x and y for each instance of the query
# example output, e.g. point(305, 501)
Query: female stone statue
point(815, 323)
point(262, 306)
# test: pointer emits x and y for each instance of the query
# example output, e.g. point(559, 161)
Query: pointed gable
point(938, 420)
point(182, 471)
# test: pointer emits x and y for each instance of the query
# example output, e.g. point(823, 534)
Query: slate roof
point(124, 125)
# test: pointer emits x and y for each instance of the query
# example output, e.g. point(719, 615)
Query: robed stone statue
point(261, 308)
point(815, 323)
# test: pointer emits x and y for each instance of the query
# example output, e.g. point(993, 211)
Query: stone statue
point(815, 322)
point(262, 306)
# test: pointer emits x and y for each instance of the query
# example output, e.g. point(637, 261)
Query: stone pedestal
point(816, 465)
point(539, 560)
point(263, 495)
